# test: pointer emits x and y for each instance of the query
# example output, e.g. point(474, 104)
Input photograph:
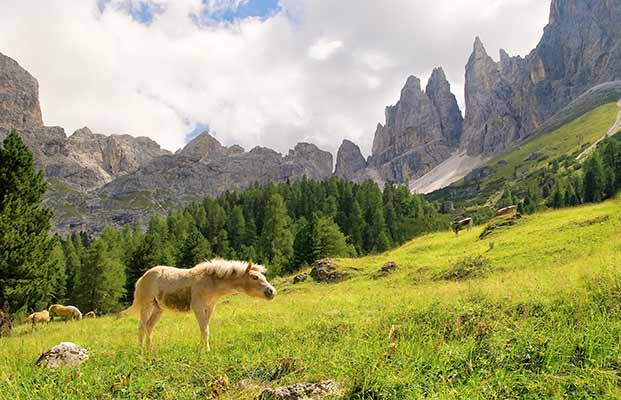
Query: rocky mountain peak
point(83, 133)
point(478, 49)
point(202, 147)
point(320, 162)
point(451, 121)
point(349, 161)
point(19, 96)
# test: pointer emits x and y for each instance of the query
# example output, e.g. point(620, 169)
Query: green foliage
point(594, 180)
point(99, 283)
point(327, 239)
point(283, 226)
point(28, 275)
point(276, 235)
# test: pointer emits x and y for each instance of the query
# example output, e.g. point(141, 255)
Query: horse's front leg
point(203, 314)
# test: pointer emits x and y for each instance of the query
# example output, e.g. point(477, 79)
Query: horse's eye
point(255, 277)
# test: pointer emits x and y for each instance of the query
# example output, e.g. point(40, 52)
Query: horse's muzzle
point(269, 293)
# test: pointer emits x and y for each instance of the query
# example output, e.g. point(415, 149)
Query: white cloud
point(316, 70)
point(323, 49)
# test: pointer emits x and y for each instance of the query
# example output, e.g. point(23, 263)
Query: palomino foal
point(196, 289)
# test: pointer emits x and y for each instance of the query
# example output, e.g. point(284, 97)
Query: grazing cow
point(67, 312)
point(90, 314)
point(511, 210)
point(459, 225)
point(40, 317)
point(196, 289)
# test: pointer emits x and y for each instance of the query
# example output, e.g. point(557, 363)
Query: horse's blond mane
point(227, 268)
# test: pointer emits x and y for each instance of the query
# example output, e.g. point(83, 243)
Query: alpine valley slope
point(531, 311)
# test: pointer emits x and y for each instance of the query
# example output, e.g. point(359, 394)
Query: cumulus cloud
point(316, 71)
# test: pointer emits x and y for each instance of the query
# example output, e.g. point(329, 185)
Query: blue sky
point(144, 12)
point(252, 8)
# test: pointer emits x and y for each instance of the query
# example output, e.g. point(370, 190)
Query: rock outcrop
point(507, 101)
point(349, 161)
point(19, 96)
point(177, 177)
point(421, 130)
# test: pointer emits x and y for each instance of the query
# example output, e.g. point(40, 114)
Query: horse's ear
point(249, 267)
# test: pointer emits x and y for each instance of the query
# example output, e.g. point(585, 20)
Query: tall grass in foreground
point(541, 320)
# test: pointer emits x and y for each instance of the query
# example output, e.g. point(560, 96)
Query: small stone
point(300, 278)
point(63, 354)
point(301, 391)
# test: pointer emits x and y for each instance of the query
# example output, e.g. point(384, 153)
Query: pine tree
point(99, 284)
point(236, 227)
point(155, 249)
point(327, 239)
point(194, 250)
point(276, 235)
point(25, 244)
point(594, 180)
point(507, 198)
point(72, 264)
point(302, 245)
point(393, 227)
point(356, 226)
point(571, 198)
point(375, 237)
point(558, 196)
point(57, 273)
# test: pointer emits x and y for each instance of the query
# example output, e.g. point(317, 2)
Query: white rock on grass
point(63, 354)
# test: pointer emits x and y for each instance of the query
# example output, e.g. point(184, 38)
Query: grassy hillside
point(531, 311)
point(528, 162)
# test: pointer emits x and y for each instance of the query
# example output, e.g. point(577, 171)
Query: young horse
point(67, 312)
point(197, 289)
point(40, 317)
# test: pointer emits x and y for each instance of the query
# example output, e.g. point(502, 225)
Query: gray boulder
point(63, 354)
point(301, 391)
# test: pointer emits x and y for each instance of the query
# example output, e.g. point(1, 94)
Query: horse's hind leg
point(155, 316)
point(145, 314)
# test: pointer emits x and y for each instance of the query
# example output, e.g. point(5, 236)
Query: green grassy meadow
point(538, 317)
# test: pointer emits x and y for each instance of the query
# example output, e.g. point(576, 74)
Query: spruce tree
point(72, 264)
point(594, 180)
point(99, 284)
point(276, 235)
point(194, 250)
point(302, 244)
point(558, 196)
point(236, 227)
point(25, 243)
point(357, 226)
point(57, 273)
point(327, 239)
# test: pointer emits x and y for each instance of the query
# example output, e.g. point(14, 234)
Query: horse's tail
point(135, 307)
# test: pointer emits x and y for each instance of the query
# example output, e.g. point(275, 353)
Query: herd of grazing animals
point(67, 313)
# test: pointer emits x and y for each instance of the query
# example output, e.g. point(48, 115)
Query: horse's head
point(255, 284)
